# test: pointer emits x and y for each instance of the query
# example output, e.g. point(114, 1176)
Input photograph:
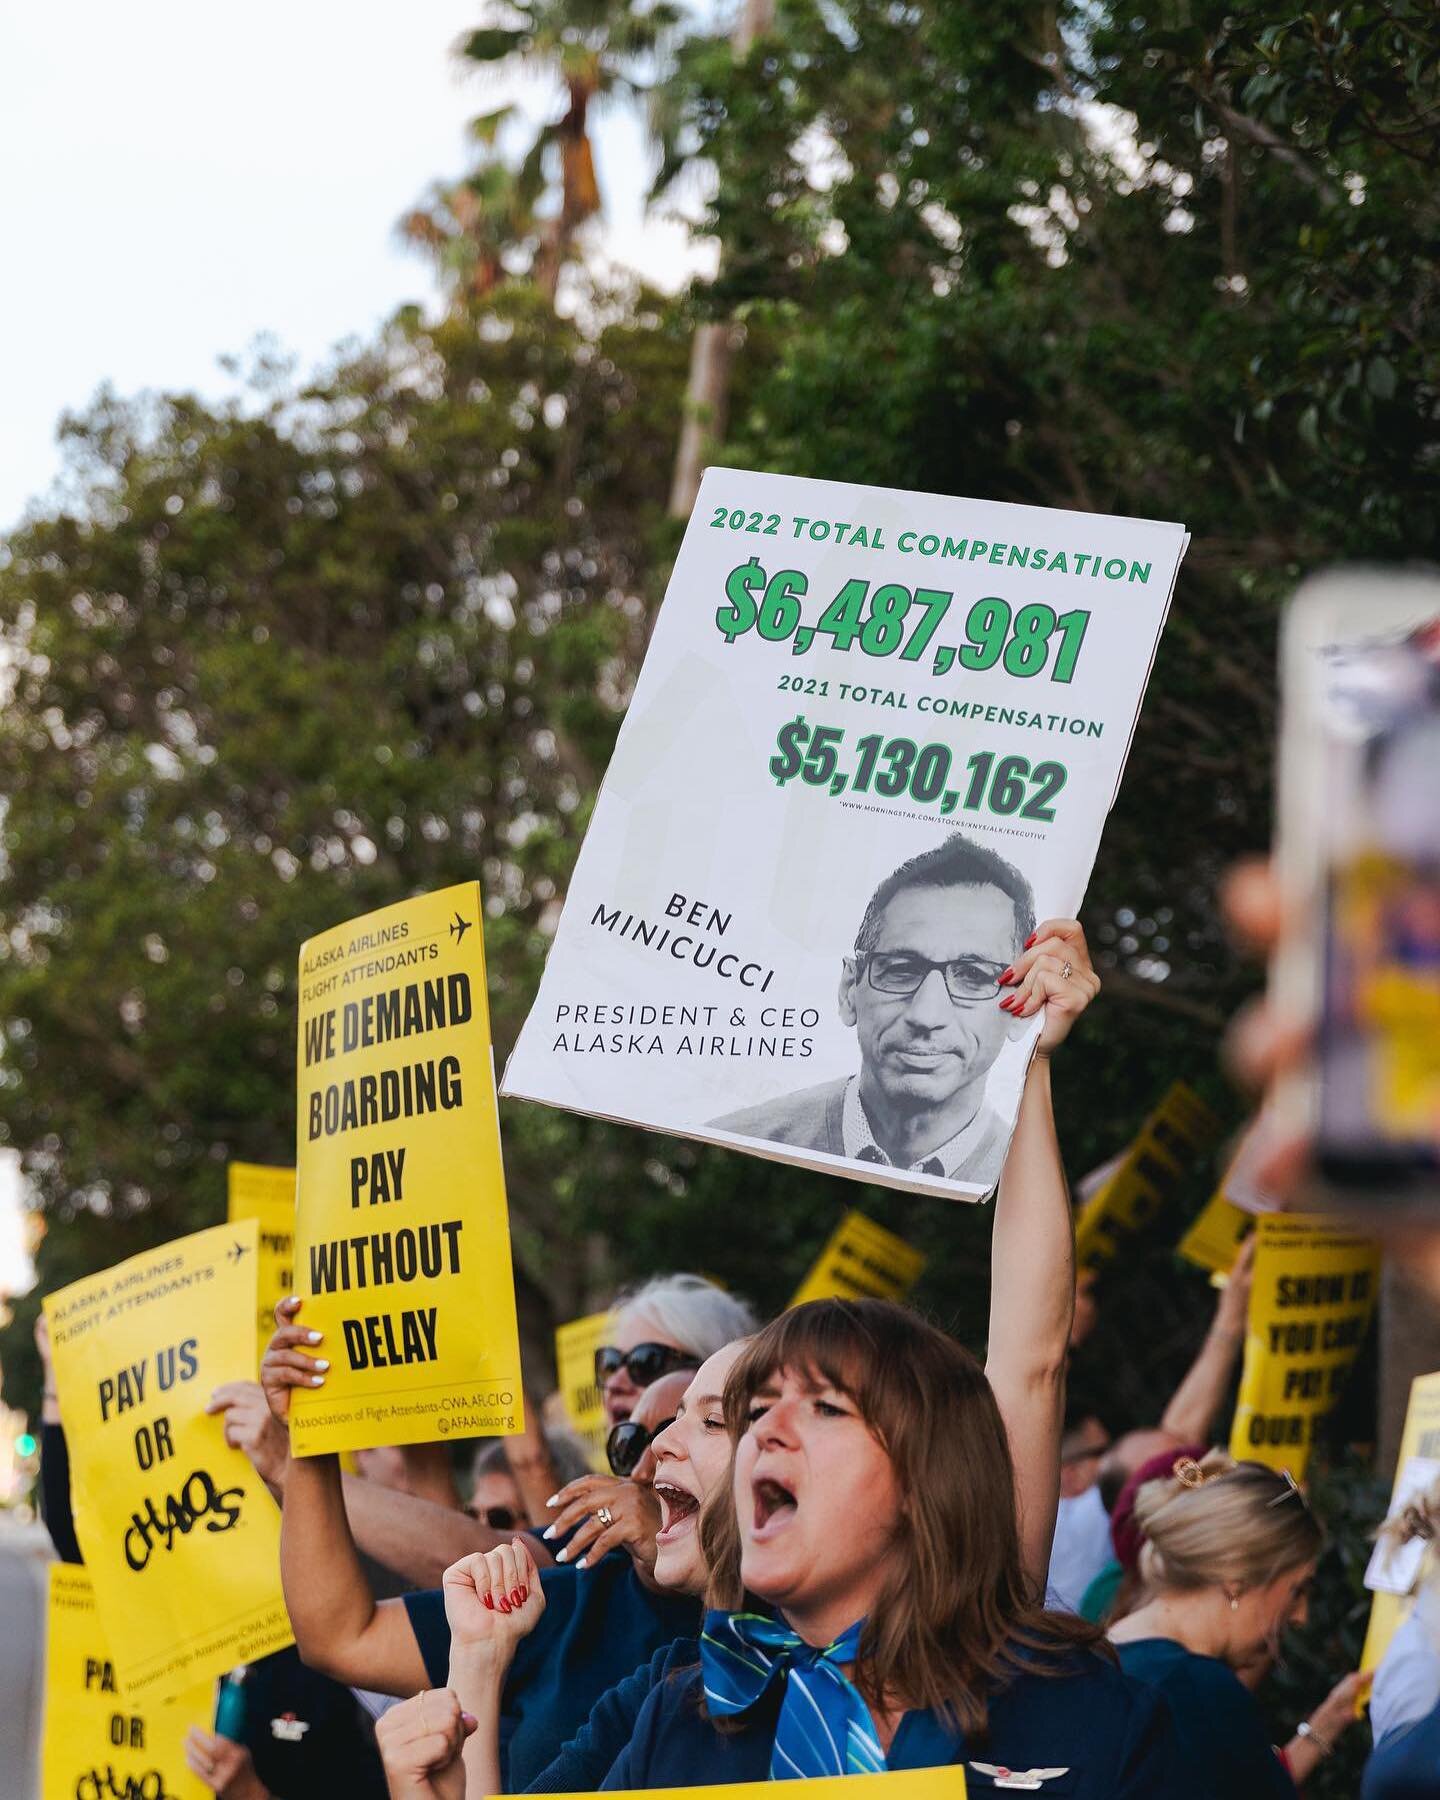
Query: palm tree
point(468, 227)
point(593, 51)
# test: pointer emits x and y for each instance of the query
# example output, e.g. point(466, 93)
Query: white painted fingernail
point(314, 1337)
point(581, 1563)
point(317, 1381)
point(548, 1533)
point(554, 1500)
point(321, 1363)
point(561, 1555)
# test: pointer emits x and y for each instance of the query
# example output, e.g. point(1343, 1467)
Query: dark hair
point(960, 1616)
point(958, 862)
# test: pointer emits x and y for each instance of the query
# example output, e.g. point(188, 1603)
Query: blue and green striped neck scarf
point(825, 1727)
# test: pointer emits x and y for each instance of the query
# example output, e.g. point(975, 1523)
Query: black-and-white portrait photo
point(920, 989)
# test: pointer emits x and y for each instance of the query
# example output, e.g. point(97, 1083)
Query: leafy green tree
point(280, 667)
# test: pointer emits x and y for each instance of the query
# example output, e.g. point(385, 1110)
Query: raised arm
point(416, 1538)
point(1032, 1291)
point(339, 1628)
point(491, 1602)
point(1194, 1405)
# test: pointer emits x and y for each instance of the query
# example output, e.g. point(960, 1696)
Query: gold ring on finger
point(605, 1516)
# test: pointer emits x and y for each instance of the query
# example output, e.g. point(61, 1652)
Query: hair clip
point(1292, 1486)
point(1189, 1473)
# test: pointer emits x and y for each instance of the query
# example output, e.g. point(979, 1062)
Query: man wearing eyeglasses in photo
point(925, 992)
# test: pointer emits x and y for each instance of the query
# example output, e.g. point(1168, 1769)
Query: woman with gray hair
point(669, 1322)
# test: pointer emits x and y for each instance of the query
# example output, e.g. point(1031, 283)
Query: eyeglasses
point(627, 1443)
point(644, 1364)
point(903, 972)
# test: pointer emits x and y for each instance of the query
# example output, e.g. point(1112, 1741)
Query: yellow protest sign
point(267, 1195)
point(97, 1744)
point(403, 1239)
point(181, 1538)
point(1214, 1239)
point(1311, 1298)
point(575, 1347)
point(944, 1783)
point(862, 1259)
point(1179, 1129)
point(1420, 1438)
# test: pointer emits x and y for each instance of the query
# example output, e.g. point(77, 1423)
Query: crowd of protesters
point(830, 1544)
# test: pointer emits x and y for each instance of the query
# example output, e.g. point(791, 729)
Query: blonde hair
point(1221, 1523)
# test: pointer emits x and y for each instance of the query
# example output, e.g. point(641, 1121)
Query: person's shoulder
point(1087, 1712)
point(799, 1118)
point(1185, 1677)
point(669, 1733)
point(1090, 1665)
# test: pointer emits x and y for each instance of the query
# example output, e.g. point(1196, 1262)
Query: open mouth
point(678, 1509)
point(774, 1507)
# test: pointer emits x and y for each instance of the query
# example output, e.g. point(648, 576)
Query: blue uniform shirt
point(1222, 1732)
point(599, 1624)
point(1407, 1765)
point(1089, 1734)
point(584, 1762)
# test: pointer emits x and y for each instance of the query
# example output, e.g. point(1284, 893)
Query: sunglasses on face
point(498, 1518)
point(644, 1364)
point(902, 973)
point(628, 1442)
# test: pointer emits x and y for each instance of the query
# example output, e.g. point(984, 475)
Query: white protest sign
point(874, 741)
point(1393, 1566)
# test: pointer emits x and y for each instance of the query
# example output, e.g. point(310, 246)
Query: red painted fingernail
point(1030, 940)
point(504, 1604)
point(1007, 978)
point(489, 1601)
point(517, 1596)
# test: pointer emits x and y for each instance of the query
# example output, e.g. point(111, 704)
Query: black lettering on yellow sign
point(375, 1259)
point(126, 1387)
point(371, 1342)
point(408, 1092)
point(199, 1499)
point(397, 1012)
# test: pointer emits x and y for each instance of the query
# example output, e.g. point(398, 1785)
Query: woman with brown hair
point(1228, 1554)
point(872, 1605)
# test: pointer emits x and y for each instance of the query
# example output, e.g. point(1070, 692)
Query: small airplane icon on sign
point(238, 1251)
point(458, 930)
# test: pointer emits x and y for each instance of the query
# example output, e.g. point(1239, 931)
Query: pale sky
point(177, 178)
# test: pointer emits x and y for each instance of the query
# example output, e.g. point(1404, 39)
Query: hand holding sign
point(1052, 973)
point(250, 1426)
point(284, 1366)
